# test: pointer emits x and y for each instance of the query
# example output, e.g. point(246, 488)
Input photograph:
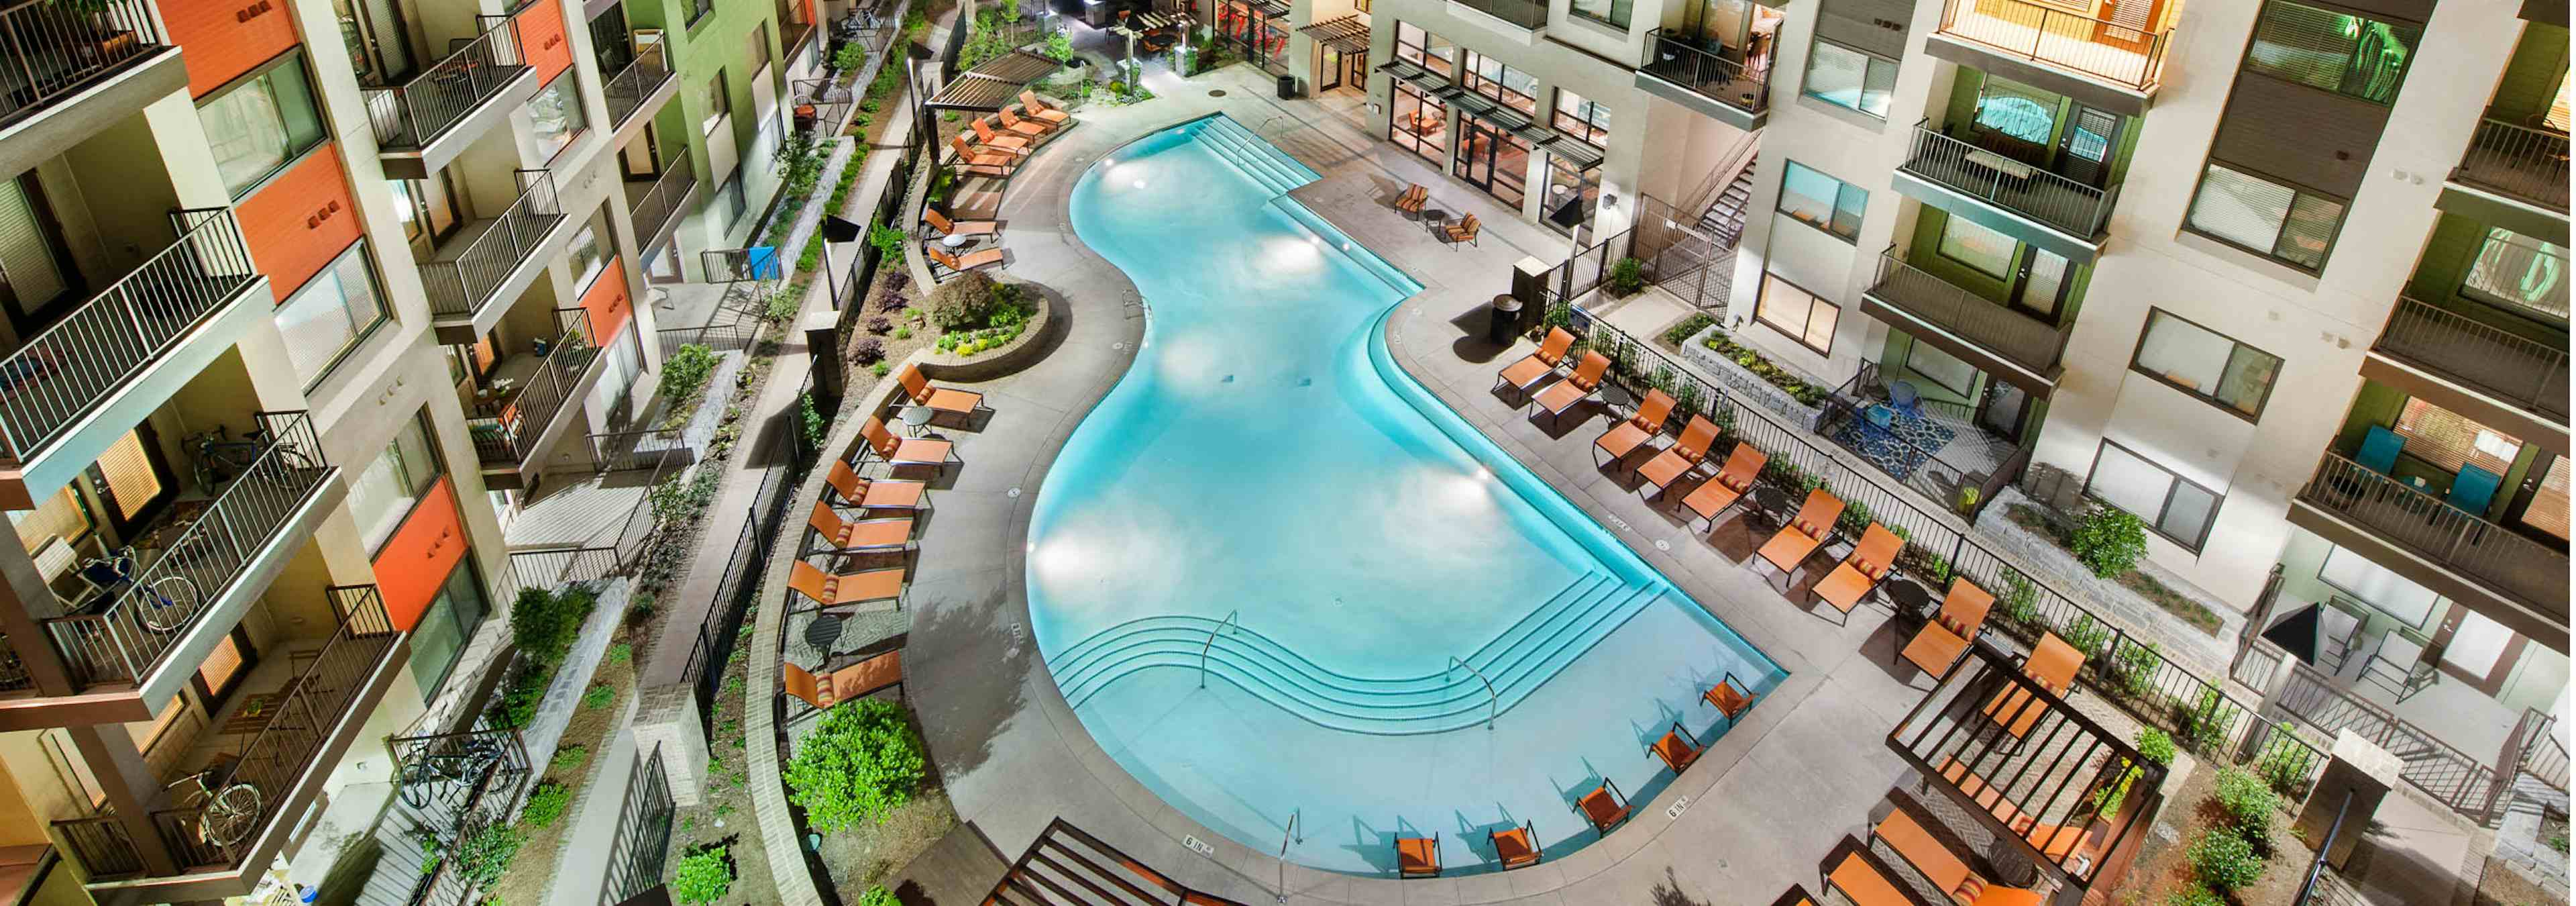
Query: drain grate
point(1216, 92)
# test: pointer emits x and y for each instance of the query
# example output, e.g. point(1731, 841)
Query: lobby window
point(1850, 79)
point(1419, 123)
point(1425, 49)
point(1582, 118)
point(2520, 273)
point(1797, 314)
point(2198, 361)
point(331, 313)
point(259, 124)
point(1817, 200)
point(555, 116)
point(2339, 52)
point(2276, 220)
point(1489, 77)
point(2448, 440)
point(1613, 13)
point(2171, 505)
point(392, 483)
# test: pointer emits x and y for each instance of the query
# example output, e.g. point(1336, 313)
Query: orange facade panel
point(607, 304)
point(222, 39)
point(420, 555)
point(300, 221)
point(541, 40)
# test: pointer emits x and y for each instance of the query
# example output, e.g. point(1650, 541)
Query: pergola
point(992, 84)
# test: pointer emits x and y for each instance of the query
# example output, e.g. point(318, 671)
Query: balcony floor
point(225, 736)
point(1931, 453)
point(2499, 173)
point(1740, 93)
point(2111, 62)
point(578, 509)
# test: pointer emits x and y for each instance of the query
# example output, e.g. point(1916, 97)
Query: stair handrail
point(1211, 641)
point(1718, 179)
point(1494, 701)
point(1284, 839)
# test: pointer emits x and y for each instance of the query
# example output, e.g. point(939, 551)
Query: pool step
point(1263, 162)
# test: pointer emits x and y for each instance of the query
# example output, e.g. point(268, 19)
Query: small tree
point(860, 764)
point(2109, 541)
point(1627, 277)
point(850, 57)
point(1059, 45)
point(964, 302)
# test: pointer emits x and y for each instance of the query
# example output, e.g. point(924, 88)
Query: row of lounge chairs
point(884, 506)
point(999, 144)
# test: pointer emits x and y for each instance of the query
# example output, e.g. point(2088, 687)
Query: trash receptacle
point(1506, 322)
point(1287, 88)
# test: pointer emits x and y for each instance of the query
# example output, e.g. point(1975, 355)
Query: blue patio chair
point(2379, 450)
point(1905, 398)
point(2473, 490)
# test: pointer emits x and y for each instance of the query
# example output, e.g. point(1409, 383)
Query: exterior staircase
point(1724, 218)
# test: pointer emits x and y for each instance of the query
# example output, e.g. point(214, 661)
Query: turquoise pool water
point(1275, 577)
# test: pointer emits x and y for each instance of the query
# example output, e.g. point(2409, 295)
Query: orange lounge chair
point(1625, 437)
point(1535, 367)
point(903, 451)
point(958, 265)
point(1804, 533)
point(1731, 484)
point(869, 675)
point(1796, 895)
point(972, 157)
point(1418, 857)
point(847, 536)
point(1859, 574)
point(1031, 128)
point(1730, 697)
point(1576, 388)
point(1463, 232)
point(1944, 641)
point(987, 138)
point(1516, 847)
point(1936, 862)
point(1033, 107)
point(877, 494)
point(1677, 748)
point(947, 227)
point(1605, 807)
point(1413, 198)
point(1862, 883)
point(834, 590)
point(2052, 665)
point(940, 399)
point(1677, 460)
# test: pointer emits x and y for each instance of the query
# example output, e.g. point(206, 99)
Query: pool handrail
point(1493, 701)
point(1211, 641)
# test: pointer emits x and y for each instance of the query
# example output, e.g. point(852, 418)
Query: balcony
point(2516, 166)
point(2000, 193)
point(1680, 70)
point(2498, 378)
point(190, 591)
point(491, 260)
point(525, 412)
point(795, 27)
point(657, 206)
point(2503, 574)
point(54, 54)
point(1524, 15)
point(423, 124)
point(312, 721)
point(1998, 339)
point(96, 372)
point(2115, 63)
point(641, 88)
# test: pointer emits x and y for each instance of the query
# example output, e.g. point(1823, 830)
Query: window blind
point(2450, 440)
point(131, 483)
point(2548, 508)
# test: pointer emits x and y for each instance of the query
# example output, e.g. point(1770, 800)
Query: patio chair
point(2473, 490)
point(1732, 483)
point(940, 399)
point(1861, 883)
point(1731, 697)
point(947, 227)
point(837, 589)
point(1944, 641)
point(2051, 665)
point(1625, 437)
point(1604, 806)
point(1515, 847)
point(898, 452)
point(987, 138)
point(1806, 532)
point(2398, 664)
point(869, 675)
point(1677, 747)
point(2379, 449)
point(1928, 856)
point(2339, 634)
point(1526, 374)
point(1679, 459)
point(1034, 129)
point(1576, 388)
point(1036, 108)
point(982, 163)
point(957, 265)
point(878, 494)
point(1417, 857)
point(1463, 231)
point(1859, 575)
point(1412, 199)
point(859, 536)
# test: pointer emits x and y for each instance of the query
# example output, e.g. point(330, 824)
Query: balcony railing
point(1523, 13)
point(2496, 362)
point(508, 437)
point(69, 369)
point(2527, 163)
point(2026, 341)
point(1684, 62)
point(415, 113)
point(2121, 53)
point(2425, 526)
point(461, 286)
point(2025, 189)
point(161, 607)
point(662, 202)
point(627, 89)
point(50, 49)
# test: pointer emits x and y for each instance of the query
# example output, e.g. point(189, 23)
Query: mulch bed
point(2163, 867)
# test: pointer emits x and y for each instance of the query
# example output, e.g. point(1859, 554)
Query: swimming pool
point(1266, 493)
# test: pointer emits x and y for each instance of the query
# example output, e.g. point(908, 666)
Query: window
point(1613, 13)
point(65, 516)
point(391, 485)
point(2519, 272)
point(2017, 111)
point(2170, 505)
point(555, 115)
point(2377, 586)
point(2190, 357)
point(590, 253)
point(1419, 122)
point(1822, 201)
point(719, 103)
point(1797, 313)
point(1489, 77)
point(758, 52)
point(331, 313)
point(1944, 370)
point(1584, 119)
point(729, 196)
point(698, 10)
point(2277, 221)
point(1425, 49)
point(259, 125)
point(2449, 440)
point(2547, 510)
point(1984, 250)
point(446, 624)
point(2338, 52)
point(1851, 79)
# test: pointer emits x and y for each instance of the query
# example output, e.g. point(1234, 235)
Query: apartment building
point(303, 297)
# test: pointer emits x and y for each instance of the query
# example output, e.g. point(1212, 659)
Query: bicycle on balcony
point(462, 759)
point(215, 458)
point(164, 604)
point(230, 810)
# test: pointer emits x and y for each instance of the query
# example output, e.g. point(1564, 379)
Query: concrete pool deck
point(1758, 813)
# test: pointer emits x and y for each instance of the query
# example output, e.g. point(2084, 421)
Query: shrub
point(599, 696)
point(878, 896)
point(1558, 314)
point(879, 369)
point(2248, 801)
point(2155, 745)
point(2108, 799)
point(2197, 896)
point(800, 160)
point(484, 855)
point(2020, 599)
point(620, 652)
point(685, 372)
point(1854, 520)
point(903, 333)
point(783, 304)
point(2204, 724)
point(703, 876)
point(879, 324)
point(1059, 46)
point(2224, 860)
point(546, 804)
point(2109, 541)
point(888, 240)
point(544, 623)
point(810, 420)
point(2285, 761)
point(1688, 328)
point(967, 301)
point(1627, 277)
point(570, 758)
point(867, 351)
point(850, 57)
point(862, 762)
point(2134, 668)
point(2086, 634)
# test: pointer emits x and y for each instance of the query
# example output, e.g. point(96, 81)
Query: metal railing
point(659, 204)
point(460, 286)
point(2027, 341)
point(2318, 885)
point(2543, 756)
point(2497, 362)
point(509, 436)
point(69, 369)
point(124, 641)
point(790, 459)
point(2127, 54)
point(1523, 13)
point(102, 846)
point(2449, 537)
point(2443, 772)
point(415, 113)
point(1684, 62)
point(626, 91)
point(50, 49)
point(2022, 188)
point(2518, 160)
point(643, 836)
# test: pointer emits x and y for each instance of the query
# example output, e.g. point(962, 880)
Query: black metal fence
point(643, 838)
point(786, 455)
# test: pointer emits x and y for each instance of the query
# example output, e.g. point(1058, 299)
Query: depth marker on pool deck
point(1675, 810)
point(1198, 846)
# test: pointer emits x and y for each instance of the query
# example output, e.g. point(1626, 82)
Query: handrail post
point(1284, 839)
point(1493, 701)
point(1211, 641)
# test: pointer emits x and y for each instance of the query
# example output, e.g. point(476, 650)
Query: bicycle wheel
point(168, 603)
point(230, 815)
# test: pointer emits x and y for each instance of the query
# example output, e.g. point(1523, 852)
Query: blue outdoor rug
point(1898, 449)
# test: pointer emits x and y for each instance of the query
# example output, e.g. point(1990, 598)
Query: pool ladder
point(1284, 840)
point(1211, 641)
